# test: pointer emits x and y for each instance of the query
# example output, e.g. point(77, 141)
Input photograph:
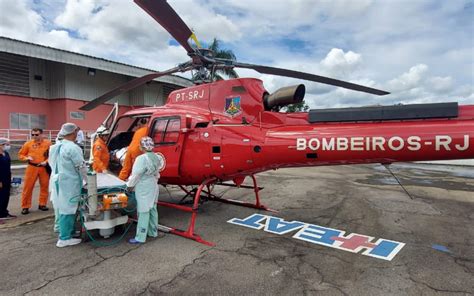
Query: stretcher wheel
point(84, 236)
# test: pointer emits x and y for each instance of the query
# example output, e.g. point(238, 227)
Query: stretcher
point(104, 204)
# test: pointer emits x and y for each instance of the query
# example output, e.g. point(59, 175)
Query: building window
point(27, 121)
point(77, 115)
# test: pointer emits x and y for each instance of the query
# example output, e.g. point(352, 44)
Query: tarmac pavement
point(14, 206)
point(430, 208)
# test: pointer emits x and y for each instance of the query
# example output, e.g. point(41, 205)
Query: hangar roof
point(67, 57)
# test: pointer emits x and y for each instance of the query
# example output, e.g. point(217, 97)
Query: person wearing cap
point(69, 173)
point(134, 149)
point(144, 180)
point(80, 140)
point(5, 179)
point(35, 152)
point(100, 152)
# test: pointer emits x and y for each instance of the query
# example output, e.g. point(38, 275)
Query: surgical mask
point(6, 148)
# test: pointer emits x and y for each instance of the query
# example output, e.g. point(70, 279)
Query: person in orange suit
point(35, 152)
point(134, 149)
point(100, 152)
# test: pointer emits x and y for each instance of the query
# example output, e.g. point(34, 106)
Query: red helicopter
point(228, 130)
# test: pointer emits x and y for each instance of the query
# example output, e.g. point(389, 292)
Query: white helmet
point(102, 130)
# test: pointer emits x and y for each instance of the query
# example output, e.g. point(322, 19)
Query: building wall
point(80, 85)
point(14, 74)
point(150, 94)
point(92, 118)
point(58, 115)
point(57, 111)
point(56, 80)
point(25, 105)
point(39, 78)
point(40, 89)
point(153, 94)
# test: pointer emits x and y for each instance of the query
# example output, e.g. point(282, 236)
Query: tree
point(223, 54)
point(298, 107)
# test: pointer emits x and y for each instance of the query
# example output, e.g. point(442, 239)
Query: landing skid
point(256, 189)
point(205, 189)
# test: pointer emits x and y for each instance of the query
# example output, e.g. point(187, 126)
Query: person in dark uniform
point(5, 179)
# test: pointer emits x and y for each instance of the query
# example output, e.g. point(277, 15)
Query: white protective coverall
point(144, 177)
point(68, 173)
point(52, 193)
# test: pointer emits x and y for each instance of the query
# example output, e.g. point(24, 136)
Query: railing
point(23, 135)
point(18, 137)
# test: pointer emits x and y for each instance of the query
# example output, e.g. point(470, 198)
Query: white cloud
point(421, 51)
point(341, 63)
point(410, 79)
point(18, 21)
point(441, 84)
point(206, 22)
point(346, 8)
point(76, 14)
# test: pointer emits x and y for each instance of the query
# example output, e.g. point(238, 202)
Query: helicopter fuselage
point(222, 130)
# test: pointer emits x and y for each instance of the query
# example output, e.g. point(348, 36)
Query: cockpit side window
point(159, 129)
point(172, 131)
point(166, 130)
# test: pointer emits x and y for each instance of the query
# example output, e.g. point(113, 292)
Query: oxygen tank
point(92, 192)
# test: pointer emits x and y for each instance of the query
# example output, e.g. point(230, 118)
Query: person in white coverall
point(144, 179)
point(52, 193)
point(69, 173)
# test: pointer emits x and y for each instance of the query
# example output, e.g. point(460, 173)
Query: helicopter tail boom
point(374, 142)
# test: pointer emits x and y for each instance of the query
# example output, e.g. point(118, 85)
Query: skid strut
point(189, 233)
point(256, 205)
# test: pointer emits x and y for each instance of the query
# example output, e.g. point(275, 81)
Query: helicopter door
point(111, 119)
point(166, 133)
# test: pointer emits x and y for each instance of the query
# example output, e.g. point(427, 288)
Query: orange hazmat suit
point(101, 156)
point(132, 152)
point(38, 151)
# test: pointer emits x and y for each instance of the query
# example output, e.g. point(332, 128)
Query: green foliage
point(223, 54)
point(299, 107)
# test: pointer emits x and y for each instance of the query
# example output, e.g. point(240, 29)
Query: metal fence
point(23, 135)
point(18, 137)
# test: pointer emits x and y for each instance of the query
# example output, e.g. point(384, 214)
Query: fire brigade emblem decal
point(162, 159)
point(232, 106)
point(329, 237)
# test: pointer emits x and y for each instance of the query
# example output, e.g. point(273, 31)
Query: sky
point(420, 51)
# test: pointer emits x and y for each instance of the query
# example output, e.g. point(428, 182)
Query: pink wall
point(58, 114)
point(93, 118)
point(57, 111)
point(16, 104)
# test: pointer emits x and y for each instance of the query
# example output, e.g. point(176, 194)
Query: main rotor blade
point(126, 87)
point(165, 15)
point(311, 77)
